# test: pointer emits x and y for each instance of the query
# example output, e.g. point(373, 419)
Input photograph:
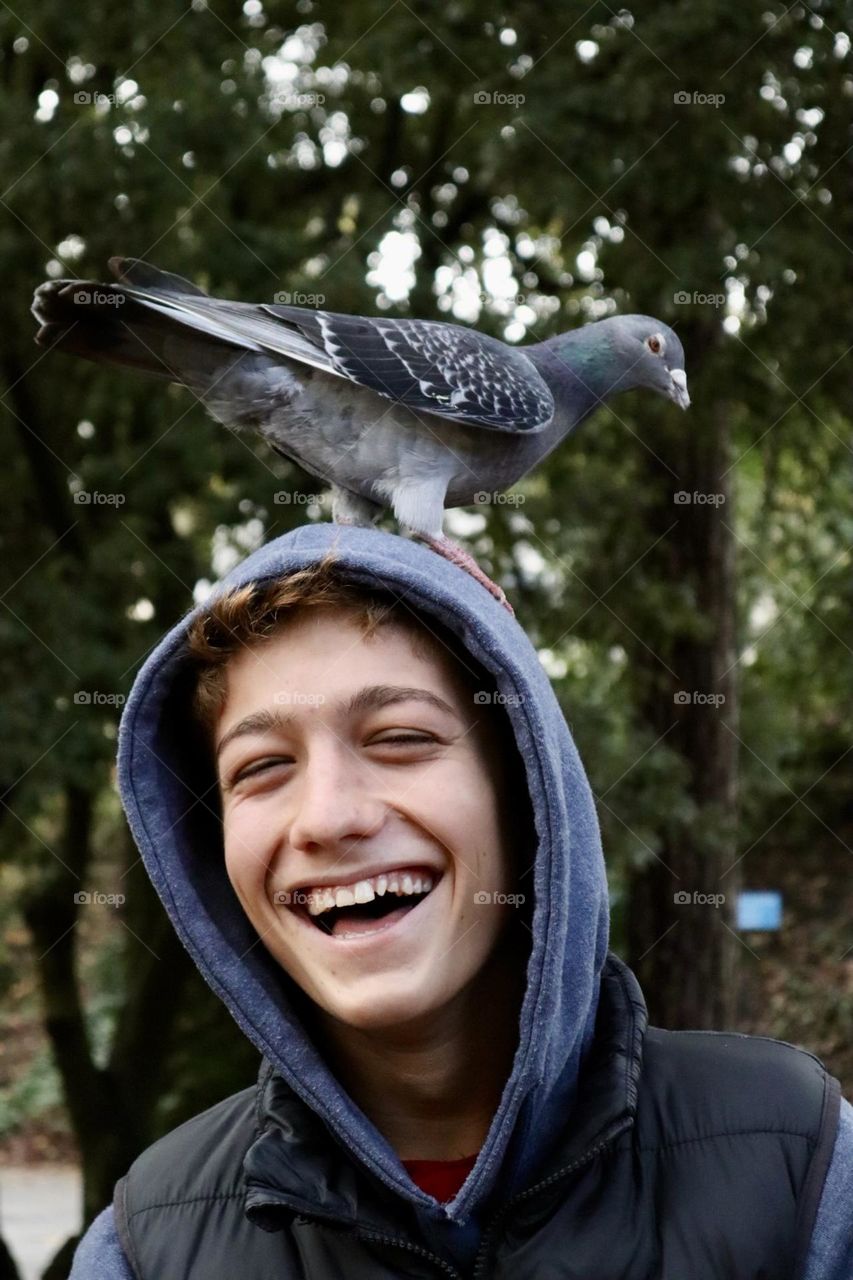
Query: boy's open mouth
point(394, 896)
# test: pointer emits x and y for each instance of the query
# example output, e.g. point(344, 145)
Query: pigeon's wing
point(430, 367)
point(424, 365)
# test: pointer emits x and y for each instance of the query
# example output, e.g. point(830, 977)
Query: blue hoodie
point(565, 965)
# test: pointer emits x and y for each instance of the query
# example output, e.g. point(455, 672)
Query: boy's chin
point(385, 1011)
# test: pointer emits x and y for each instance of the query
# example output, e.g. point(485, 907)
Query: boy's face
point(317, 792)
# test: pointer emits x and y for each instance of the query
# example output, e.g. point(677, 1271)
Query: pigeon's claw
point(458, 555)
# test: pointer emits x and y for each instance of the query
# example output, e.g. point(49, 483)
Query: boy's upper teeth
point(324, 899)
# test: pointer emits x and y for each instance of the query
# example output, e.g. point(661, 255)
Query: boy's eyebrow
point(371, 698)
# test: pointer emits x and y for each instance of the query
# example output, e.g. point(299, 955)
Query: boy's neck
point(432, 1089)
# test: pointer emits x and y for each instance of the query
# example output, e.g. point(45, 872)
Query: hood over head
point(172, 807)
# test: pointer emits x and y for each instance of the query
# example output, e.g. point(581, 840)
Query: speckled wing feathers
point(432, 367)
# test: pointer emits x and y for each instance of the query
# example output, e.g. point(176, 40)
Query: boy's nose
point(333, 805)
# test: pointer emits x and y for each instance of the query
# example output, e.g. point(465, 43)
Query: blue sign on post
point(759, 910)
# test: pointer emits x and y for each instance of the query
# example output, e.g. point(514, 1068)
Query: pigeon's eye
point(655, 344)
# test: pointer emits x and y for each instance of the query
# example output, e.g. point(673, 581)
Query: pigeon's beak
point(678, 388)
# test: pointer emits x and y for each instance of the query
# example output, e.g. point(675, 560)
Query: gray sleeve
point(99, 1255)
point(830, 1255)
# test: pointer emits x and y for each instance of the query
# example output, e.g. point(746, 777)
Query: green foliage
point(33, 1094)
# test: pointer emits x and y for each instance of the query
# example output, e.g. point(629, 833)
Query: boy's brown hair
point(247, 616)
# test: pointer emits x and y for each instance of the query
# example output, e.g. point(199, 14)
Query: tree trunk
point(680, 937)
point(112, 1108)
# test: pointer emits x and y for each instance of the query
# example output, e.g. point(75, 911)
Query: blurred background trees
point(525, 171)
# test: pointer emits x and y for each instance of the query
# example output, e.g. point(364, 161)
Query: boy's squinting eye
point(405, 737)
point(258, 767)
point(398, 739)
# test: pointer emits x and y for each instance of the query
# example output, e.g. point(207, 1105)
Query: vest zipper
point(378, 1238)
point(483, 1251)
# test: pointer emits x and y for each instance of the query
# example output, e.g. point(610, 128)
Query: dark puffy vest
point(688, 1155)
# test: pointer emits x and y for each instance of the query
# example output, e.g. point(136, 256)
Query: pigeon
point(411, 415)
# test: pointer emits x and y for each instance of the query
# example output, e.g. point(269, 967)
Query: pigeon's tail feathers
point(107, 324)
point(240, 386)
point(136, 272)
point(133, 324)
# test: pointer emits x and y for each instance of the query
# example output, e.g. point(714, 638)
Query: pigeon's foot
point(458, 555)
